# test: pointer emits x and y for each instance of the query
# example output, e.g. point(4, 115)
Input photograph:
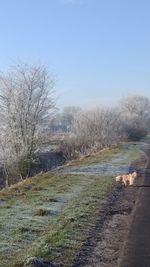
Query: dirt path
point(106, 240)
point(136, 250)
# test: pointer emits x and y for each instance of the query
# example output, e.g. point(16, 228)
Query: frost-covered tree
point(135, 112)
point(26, 104)
point(93, 130)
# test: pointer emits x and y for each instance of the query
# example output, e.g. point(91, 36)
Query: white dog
point(127, 179)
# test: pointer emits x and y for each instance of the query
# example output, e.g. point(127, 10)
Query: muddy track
point(136, 250)
point(105, 242)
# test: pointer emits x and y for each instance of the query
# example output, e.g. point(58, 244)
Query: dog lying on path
point(127, 179)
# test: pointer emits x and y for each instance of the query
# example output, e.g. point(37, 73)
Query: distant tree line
point(63, 121)
point(98, 128)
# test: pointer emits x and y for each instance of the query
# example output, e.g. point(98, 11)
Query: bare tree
point(135, 112)
point(26, 104)
point(94, 130)
point(136, 105)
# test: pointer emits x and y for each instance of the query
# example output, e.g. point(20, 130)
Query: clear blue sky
point(97, 50)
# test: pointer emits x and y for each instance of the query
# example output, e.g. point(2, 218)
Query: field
point(50, 215)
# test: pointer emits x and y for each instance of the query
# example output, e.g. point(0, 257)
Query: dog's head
point(118, 178)
point(134, 174)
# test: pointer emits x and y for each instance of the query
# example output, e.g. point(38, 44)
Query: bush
point(135, 133)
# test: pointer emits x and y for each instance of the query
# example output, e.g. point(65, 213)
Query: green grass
point(50, 215)
point(64, 237)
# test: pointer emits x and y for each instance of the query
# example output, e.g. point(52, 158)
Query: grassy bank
point(50, 215)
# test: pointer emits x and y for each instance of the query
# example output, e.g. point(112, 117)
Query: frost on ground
point(105, 244)
point(103, 169)
point(106, 241)
point(51, 214)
